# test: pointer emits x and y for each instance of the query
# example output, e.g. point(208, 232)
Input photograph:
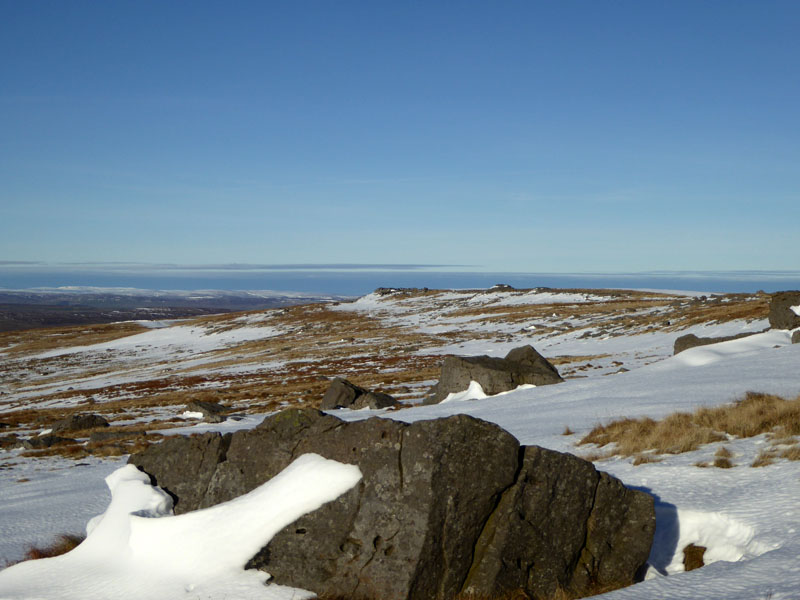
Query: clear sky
point(539, 136)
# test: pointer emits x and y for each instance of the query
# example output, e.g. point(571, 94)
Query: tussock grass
point(764, 458)
point(753, 415)
point(641, 459)
point(792, 453)
point(674, 435)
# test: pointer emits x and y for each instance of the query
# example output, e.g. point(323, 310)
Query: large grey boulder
point(522, 365)
point(783, 310)
point(420, 524)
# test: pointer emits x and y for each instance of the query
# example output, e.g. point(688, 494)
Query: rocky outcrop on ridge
point(782, 313)
point(523, 365)
point(420, 525)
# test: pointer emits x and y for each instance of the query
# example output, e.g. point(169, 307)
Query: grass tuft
point(764, 458)
point(755, 414)
point(723, 463)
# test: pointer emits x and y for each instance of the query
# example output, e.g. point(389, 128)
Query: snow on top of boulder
point(473, 392)
point(796, 310)
point(137, 550)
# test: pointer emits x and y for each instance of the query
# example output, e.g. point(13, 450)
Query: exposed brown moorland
point(395, 345)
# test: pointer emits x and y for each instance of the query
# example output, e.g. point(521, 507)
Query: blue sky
point(521, 136)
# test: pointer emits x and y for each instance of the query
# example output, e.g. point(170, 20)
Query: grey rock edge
point(781, 315)
point(445, 506)
point(523, 365)
point(690, 340)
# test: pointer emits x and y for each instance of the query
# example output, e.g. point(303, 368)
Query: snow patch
point(724, 538)
point(136, 550)
point(796, 310)
point(473, 392)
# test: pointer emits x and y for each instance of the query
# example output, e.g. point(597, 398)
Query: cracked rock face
point(783, 310)
point(444, 506)
point(523, 365)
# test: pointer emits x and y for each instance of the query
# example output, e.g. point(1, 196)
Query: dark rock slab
point(690, 340)
point(781, 315)
point(522, 365)
point(562, 526)
point(79, 422)
point(796, 337)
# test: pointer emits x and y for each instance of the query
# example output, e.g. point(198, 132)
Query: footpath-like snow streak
point(137, 549)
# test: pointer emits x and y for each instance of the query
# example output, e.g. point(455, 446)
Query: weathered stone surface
point(690, 340)
point(79, 422)
point(796, 337)
point(563, 525)
point(442, 505)
point(522, 365)
point(183, 466)
point(341, 394)
point(782, 313)
point(375, 400)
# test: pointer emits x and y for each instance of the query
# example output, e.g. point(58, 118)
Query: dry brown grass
point(642, 459)
point(61, 545)
point(42, 340)
point(755, 414)
point(319, 344)
point(673, 435)
point(723, 452)
point(792, 453)
point(723, 463)
point(764, 458)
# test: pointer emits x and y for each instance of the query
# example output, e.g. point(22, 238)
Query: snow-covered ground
point(748, 518)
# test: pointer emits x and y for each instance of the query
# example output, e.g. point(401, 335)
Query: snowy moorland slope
point(746, 517)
